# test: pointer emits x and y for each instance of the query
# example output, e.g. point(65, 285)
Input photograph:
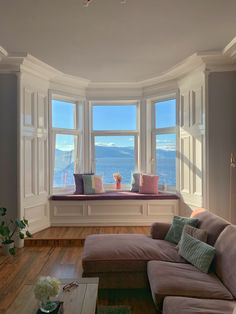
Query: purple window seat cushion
point(122, 195)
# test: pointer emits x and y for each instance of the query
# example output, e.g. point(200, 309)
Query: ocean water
point(166, 169)
point(106, 166)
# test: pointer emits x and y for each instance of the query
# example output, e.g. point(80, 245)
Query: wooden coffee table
point(80, 300)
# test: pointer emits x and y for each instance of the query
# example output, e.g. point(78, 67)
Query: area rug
point(114, 310)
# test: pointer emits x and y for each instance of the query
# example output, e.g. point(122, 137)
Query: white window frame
point(159, 131)
point(135, 133)
point(77, 131)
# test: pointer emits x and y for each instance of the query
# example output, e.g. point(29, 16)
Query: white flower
point(46, 287)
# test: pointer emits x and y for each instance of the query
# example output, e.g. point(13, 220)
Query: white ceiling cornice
point(230, 49)
point(210, 60)
point(3, 53)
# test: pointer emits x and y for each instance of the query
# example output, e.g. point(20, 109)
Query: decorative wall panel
point(112, 213)
point(42, 176)
point(197, 165)
point(115, 209)
point(42, 111)
point(29, 107)
point(192, 138)
point(37, 216)
point(29, 166)
point(34, 152)
point(185, 164)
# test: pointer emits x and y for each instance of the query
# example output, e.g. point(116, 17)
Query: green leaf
point(5, 231)
point(3, 211)
point(26, 221)
point(21, 235)
point(28, 234)
point(12, 251)
point(20, 224)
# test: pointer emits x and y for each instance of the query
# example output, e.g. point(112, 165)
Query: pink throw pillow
point(148, 184)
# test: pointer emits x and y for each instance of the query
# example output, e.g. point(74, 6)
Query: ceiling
point(114, 42)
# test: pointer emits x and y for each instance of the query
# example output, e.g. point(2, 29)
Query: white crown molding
point(210, 60)
point(70, 80)
point(39, 68)
point(26, 63)
point(3, 53)
point(230, 49)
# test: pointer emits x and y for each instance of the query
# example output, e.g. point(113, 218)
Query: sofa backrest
point(225, 261)
point(213, 224)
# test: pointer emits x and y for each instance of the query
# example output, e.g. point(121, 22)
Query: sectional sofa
point(141, 261)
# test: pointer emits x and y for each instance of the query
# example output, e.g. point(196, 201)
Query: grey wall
point(8, 143)
point(222, 139)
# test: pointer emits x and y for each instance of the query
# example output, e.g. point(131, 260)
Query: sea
point(166, 169)
point(106, 166)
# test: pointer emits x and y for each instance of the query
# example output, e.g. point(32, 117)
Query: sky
point(116, 117)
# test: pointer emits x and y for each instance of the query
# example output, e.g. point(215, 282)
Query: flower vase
point(47, 306)
point(118, 185)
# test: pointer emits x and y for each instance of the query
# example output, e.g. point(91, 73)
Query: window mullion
point(165, 130)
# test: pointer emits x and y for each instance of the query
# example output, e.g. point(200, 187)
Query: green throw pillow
point(196, 252)
point(175, 231)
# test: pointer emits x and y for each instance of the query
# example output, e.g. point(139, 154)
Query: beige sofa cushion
point(213, 224)
point(225, 261)
point(125, 252)
point(181, 305)
point(177, 279)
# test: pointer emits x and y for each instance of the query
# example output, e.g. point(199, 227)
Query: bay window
point(164, 142)
point(115, 140)
point(66, 143)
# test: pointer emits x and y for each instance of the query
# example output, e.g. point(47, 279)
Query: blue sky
point(113, 118)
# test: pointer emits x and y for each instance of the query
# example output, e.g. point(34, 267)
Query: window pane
point(64, 162)
point(114, 117)
point(114, 154)
point(166, 159)
point(63, 114)
point(165, 112)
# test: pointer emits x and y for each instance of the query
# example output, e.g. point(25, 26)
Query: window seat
point(115, 195)
point(112, 208)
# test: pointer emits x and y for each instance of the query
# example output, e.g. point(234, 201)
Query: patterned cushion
point(196, 233)
point(93, 184)
point(148, 184)
point(196, 252)
point(135, 182)
point(175, 231)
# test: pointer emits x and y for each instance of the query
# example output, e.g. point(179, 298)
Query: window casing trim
point(165, 130)
point(77, 132)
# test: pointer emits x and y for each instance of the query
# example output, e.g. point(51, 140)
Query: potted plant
point(8, 229)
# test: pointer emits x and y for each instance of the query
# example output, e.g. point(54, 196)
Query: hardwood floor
point(63, 262)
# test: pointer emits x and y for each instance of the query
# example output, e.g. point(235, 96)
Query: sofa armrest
point(159, 230)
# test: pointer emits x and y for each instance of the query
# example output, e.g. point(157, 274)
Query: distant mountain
point(63, 157)
point(114, 152)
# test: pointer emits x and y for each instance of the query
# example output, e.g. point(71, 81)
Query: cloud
point(168, 145)
point(65, 147)
point(105, 144)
